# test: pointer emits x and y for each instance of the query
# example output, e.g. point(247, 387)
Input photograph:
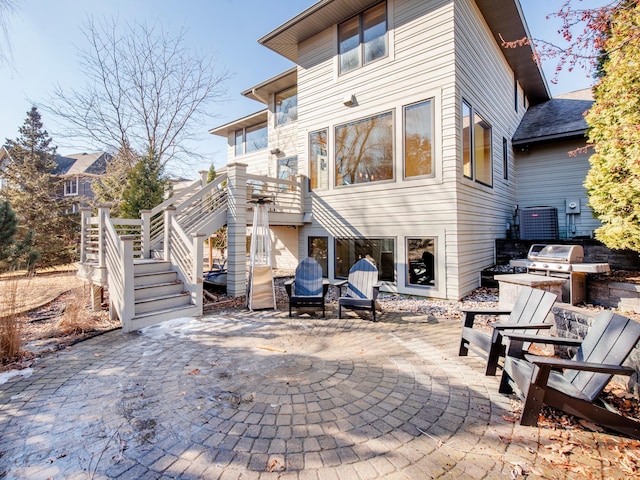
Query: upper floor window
point(364, 150)
point(418, 139)
point(71, 186)
point(287, 168)
point(318, 160)
point(476, 146)
point(363, 38)
point(251, 139)
point(287, 106)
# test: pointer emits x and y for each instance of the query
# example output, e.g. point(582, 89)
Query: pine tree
point(32, 191)
point(613, 182)
point(146, 186)
point(109, 188)
point(12, 252)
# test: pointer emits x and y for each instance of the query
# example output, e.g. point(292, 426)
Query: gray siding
point(548, 176)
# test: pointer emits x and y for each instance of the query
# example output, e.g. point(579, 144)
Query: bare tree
point(144, 90)
point(7, 8)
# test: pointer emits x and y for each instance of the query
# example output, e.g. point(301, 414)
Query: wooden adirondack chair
point(575, 391)
point(308, 288)
point(529, 313)
point(362, 288)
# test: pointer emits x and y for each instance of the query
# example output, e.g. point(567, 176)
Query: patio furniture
point(577, 388)
point(362, 288)
point(529, 312)
point(308, 288)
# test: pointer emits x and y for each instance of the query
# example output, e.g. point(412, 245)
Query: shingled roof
point(560, 117)
point(81, 164)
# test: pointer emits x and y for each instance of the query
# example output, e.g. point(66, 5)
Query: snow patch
point(6, 376)
point(178, 327)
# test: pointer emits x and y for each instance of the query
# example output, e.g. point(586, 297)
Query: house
point(78, 172)
point(408, 118)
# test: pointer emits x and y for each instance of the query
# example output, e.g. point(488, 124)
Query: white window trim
point(67, 183)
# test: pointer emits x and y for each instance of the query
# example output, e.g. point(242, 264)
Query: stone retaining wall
point(620, 295)
point(574, 322)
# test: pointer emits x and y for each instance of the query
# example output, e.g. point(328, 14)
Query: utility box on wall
point(538, 223)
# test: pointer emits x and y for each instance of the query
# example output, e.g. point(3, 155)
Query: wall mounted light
point(276, 151)
point(349, 100)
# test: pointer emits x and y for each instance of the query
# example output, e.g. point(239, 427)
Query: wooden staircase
point(159, 294)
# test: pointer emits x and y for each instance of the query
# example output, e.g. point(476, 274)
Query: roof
point(504, 18)
point(273, 85)
point(558, 118)
point(248, 121)
point(81, 164)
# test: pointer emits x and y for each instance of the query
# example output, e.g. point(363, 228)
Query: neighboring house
point(402, 114)
point(79, 171)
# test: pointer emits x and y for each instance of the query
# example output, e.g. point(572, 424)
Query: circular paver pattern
point(259, 395)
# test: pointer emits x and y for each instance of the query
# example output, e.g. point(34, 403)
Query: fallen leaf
point(195, 371)
point(271, 349)
point(590, 425)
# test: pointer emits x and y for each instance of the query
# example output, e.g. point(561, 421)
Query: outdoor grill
point(562, 261)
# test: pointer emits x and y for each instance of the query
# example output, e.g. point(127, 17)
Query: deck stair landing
point(158, 293)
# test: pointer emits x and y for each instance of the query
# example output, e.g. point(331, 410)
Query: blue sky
point(45, 36)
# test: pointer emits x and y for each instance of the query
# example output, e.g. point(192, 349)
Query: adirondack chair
point(576, 391)
point(308, 288)
point(362, 288)
point(529, 313)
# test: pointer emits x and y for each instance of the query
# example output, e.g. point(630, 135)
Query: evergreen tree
point(32, 191)
point(11, 251)
point(613, 182)
point(146, 186)
point(110, 187)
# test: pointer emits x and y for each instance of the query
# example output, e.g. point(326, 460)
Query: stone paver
point(258, 395)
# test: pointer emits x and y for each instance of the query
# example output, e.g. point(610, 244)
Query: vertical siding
point(548, 175)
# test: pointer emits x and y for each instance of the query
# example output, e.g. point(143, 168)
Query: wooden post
point(145, 233)
point(128, 307)
point(169, 213)
point(85, 219)
point(103, 214)
point(237, 229)
point(196, 275)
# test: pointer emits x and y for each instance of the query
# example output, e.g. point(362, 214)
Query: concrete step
point(162, 302)
point(154, 278)
point(158, 290)
point(147, 319)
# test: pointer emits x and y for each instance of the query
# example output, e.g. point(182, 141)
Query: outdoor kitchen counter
point(510, 285)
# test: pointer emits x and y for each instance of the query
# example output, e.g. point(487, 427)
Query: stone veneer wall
point(574, 322)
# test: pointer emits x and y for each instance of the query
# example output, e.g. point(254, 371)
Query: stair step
point(159, 303)
point(150, 266)
point(157, 316)
point(158, 289)
point(154, 278)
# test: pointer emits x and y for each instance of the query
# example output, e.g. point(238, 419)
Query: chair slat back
point(308, 280)
point(609, 341)
point(362, 277)
point(532, 306)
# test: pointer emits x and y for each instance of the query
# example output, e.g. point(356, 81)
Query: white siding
point(548, 176)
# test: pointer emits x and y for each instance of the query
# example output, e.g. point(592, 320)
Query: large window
point(476, 146)
point(287, 168)
point(380, 250)
point(421, 265)
point(287, 106)
point(251, 139)
point(71, 186)
point(318, 248)
point(318, 160)
point(364, 150)
point(418, 139)
point(363, 39)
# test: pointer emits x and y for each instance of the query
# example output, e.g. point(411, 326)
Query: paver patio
point(237, 394)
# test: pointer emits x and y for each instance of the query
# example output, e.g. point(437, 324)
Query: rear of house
point(401, 115)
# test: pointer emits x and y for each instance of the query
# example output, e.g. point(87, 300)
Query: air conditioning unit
point(538, 223)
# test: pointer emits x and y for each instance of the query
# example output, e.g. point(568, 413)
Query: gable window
point(364, 150)
point(476, 146)
point(71, 187)
point(287, 106)
point(418, 139)
point(363, 39)
point(251, 139)
point(318, 160)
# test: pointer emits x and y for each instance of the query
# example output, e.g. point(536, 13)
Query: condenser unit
point(538, 223)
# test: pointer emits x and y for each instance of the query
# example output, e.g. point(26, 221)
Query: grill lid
point(556, 253)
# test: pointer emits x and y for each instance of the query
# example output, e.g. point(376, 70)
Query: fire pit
point(562, 261)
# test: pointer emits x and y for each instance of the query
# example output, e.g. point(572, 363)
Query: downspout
point(254, 92)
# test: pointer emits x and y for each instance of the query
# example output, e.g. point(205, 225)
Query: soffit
point(263, 90)
point(244, 122)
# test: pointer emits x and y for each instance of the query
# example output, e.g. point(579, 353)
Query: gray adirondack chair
point(529, 313)
point(307, 288)
point(362, 288)
point(576, 390)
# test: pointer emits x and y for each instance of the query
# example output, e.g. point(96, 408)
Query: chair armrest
point(290, 281)
point(469, 315)
point(376, 290)
point(548, 340)
point(552, 362)
point(339, 285)
point(287, 286)
point(517, 326)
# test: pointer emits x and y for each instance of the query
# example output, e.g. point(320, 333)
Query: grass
point(10, 322)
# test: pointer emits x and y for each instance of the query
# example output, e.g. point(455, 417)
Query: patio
point(238, 394)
